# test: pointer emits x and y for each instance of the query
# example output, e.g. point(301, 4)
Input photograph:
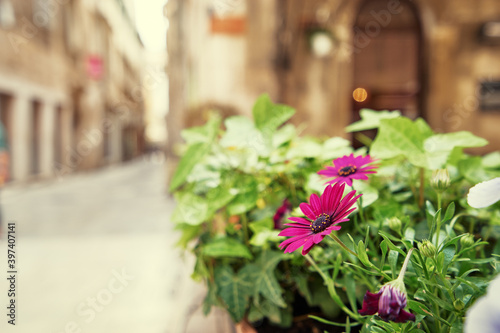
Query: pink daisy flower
point(347, 168)
point(322, 216)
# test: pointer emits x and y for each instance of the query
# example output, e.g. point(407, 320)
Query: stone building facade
point(70, 85)
point(435, 59)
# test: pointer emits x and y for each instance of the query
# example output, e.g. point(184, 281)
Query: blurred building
point(71, 95)
point(329, 58)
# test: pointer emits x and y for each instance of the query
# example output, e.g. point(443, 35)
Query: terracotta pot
point(244, 327)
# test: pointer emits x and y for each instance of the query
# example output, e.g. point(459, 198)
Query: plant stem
point(438, 219)
point(244, 224)
point(313, 263)
point(360, 207)
point(402, 272)
point(422, 188)
point(424, 267)
point(335, 238)
point(331, 288)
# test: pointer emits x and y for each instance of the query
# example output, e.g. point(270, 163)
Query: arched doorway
point(388, 62)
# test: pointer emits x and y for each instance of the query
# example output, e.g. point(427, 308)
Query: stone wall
point(274, 55)
point(64, 111)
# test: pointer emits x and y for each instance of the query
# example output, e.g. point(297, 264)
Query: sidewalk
point(95, 253)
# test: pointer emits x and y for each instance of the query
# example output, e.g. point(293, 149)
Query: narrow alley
point(95, 253)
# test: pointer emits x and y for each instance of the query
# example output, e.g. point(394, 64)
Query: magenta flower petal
point(297, 243)
point(347, 168)
point(299, 220)
point(306, 209)
point(389, 302)
point(370, 304)
point(404, 316)
point(307, 247)
point(294, 232)
point(323, 214)
point(315, 204)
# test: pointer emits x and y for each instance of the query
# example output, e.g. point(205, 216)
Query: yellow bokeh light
point(360, 94)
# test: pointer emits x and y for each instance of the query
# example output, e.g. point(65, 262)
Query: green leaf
point(210, 299)
point(234, 289)
point(423, 127)
point(401, 136)
point(202, 134)
point(255, 314)
point(219, 197)
point(302, 286)
point(370, 194)
point(246, 198)
point(269, 116)
point(386, 326)
point(191, 157)
point(200, 271)
point(419, 308)
point(391, 244)
point(191, 209)
point(263, 232)
point(450, 211)
point(226, 247)
point(350, 286)
point(335, 147)
point(448, 252)
point(262, 275)
point(262, 225)
point(458, 327)
point(362, 256)
point(283, 135)
point(304, 148)
point(472, 169)
point(370, 119)
point(242, 134)
point(430, 298)
point(242, 203)
point(315, 183)
point(189, 232)
point(440, 146)
point(393, 262)
point(328, 322)
point(491, 160)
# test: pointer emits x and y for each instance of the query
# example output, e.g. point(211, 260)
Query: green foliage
point(230, 183)
point(370, 119)
point(234, 290)
point(226, 247)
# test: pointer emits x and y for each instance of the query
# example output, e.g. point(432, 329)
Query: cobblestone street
point(95, 253)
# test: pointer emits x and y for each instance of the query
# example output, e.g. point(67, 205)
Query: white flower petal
point(484, 194)
point(484, 315)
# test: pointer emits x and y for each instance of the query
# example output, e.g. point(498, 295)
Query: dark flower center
point(321, 223)
point(347, 170)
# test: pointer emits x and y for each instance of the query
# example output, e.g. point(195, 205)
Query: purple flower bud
point(389, 302)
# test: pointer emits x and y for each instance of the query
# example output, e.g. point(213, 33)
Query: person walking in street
point(4, 163)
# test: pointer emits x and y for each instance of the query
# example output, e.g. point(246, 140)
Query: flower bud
point(440, 180)
point(458, 305)
point(427, 248)
point(395, 224)
point(467, 240)
point(390, 301)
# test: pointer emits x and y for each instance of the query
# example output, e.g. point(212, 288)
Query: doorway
point(388, 61)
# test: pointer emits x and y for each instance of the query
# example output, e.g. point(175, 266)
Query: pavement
point(95, 252)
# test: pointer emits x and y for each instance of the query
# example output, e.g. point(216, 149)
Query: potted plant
point(288, 228)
